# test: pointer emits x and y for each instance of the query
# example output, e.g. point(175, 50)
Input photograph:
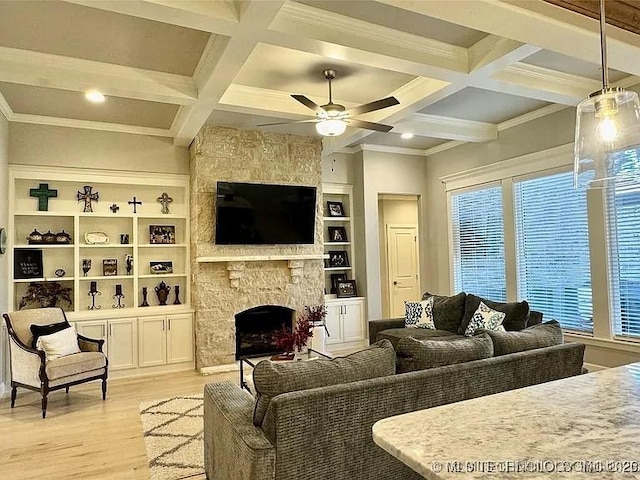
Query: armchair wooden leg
point(66, 390)
point(44, 405)
point(104, 389)
point(14, 393)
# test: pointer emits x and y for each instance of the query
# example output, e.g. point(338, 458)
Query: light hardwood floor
point(83, 437)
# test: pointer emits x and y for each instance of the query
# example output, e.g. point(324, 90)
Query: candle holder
point(177, 291)
point(86, 266)
point(93, 291)
point(144, 297)
point(118, 297)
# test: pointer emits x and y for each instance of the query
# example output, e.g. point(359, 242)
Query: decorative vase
point(144, 297)
point(86, 266)
point(177, 291)
point(162, 290)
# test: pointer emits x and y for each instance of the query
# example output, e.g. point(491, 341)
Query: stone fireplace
point(228, 279)
point(255, 329)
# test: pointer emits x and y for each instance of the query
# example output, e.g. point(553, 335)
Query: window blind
point(552, 249)
point(624, 254)
point(478, 243)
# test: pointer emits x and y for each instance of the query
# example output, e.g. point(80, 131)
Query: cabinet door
point(123, 343)
point(332, 320)
point(152, 342)
point(353, 321)
point(179, 338)
point(97, 330)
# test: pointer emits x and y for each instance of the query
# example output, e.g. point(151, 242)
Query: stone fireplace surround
point(267, 277)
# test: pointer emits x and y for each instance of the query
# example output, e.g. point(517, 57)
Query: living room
point(478, 118)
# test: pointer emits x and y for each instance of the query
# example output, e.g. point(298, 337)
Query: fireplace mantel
point(235, 264)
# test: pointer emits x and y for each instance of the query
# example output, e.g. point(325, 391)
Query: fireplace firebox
point(255, 328)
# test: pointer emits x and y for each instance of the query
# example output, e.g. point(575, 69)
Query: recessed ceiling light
point(406, 135)
point(94, 96)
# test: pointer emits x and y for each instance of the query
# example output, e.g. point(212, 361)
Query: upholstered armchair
point(31, 368)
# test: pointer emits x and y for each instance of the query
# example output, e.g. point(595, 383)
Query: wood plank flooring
point(83, 437)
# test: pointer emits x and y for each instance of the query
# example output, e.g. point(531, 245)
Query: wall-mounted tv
point(260, 214)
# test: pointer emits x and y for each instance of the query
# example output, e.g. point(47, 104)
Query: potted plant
point(291, 340)
point(47, 294)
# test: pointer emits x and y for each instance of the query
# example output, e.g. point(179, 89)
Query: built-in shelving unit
point(63, 263)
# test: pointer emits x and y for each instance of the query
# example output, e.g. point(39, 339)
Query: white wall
point(74, 147)
point(4, 259)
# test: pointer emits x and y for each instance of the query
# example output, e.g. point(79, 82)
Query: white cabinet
point(165, 339)
point(345, 322)
point(122, 343)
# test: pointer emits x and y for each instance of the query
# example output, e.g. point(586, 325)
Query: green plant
point(47, 294)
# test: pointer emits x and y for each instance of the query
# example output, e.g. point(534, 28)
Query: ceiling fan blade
point(287, 123)
point(379, 127)
point(307, 102)
point(377, 105)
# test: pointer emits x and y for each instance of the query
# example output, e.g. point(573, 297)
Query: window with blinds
point(478, 243)
point(552, 249)
point(624, 251)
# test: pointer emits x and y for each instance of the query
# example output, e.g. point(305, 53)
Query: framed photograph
point(162, 234)
point(337, 234)
point(335, 209)
point(338, 259)
point(161, 267)
point(27, 263)
point(109, 267)
point(346, 288)
point(335, 278)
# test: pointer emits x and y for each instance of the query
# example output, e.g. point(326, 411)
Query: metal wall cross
point(135, 204)
point(87, 196)
point(114, 208)
point(43, 193)
point(165, 200)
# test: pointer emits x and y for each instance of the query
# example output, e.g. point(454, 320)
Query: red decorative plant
point(287, 340)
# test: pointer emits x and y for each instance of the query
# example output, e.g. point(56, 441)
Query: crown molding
point(368, 147)
point(528, 117)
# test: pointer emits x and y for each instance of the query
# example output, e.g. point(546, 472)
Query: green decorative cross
point(43, 193)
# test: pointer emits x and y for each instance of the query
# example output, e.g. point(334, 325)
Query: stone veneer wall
point(233, 155)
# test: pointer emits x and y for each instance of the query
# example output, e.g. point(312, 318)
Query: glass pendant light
point(331, 127)
point(607, 125)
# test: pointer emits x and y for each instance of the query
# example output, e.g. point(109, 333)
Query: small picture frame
point(161, 267)
point(110, 267)
point(27, 263)
point(335, 209)
point(335, 278)
point(346, 288)
point(162, 234)
point(338, 259)
point(337, 234)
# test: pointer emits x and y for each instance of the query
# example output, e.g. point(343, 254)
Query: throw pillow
point(419, 314)
point(59, 344)
point(517, 313)
point(39, 330)
point(538, 336)
point(273, 378)
point(485, 317)
point(447, 311)
point(414, 354)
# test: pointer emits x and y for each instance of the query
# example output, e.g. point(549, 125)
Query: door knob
point(395, 283)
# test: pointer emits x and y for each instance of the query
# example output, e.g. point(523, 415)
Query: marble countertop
point(549, 430)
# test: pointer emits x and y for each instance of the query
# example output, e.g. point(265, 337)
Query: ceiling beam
point(66, 73)
point(437, 126)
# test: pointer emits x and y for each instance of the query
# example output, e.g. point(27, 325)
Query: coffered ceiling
point(462, 70)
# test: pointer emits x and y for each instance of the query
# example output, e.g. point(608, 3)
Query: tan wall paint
point(393, 212)
point(337, 168)
point(74, 147)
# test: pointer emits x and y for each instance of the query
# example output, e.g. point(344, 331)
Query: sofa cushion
point(39, 330)
point(448, 312)
point(419, 314)
point(517, 313)
point(59, 344)
point(485, 317)
point(273, 378)
point(414, 354)
point(74, 364)
point(394, 335)
point(538, 336)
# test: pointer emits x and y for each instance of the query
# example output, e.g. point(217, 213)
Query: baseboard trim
point(592, 367)
point(229, 367)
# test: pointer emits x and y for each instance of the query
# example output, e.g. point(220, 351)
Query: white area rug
point(172, 430)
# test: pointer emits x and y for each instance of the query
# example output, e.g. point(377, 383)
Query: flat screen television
point(260, 214)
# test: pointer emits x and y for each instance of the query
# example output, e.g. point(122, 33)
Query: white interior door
point(402, 256)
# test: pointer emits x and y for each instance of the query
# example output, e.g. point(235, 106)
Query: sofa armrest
point(87, 344)
point(27, 364)
point(376, 326)
point(234, 448)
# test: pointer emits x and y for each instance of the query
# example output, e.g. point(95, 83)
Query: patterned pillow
point(419, 314)
point(485, 317)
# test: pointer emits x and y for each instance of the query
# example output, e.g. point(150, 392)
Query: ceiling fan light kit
point(607, 124)
point(332, 118)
